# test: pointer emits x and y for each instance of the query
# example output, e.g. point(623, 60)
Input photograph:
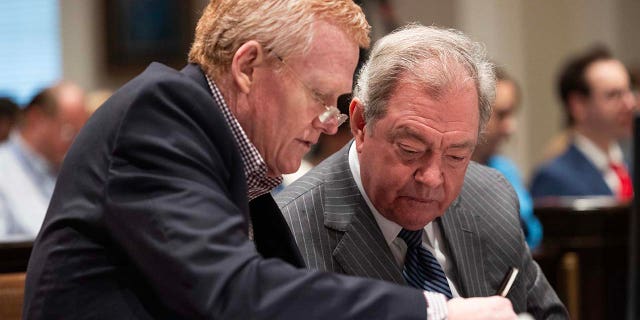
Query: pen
point(507, 282)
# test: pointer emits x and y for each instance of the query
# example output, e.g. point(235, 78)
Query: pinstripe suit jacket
point(336, 231)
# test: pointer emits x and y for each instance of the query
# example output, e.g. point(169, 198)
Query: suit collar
point(340, 185)
point(347, 212)
point(194, 72)
point(271, 234)
point(598, 157)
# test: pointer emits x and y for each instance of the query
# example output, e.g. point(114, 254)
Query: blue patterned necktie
point(421, 269)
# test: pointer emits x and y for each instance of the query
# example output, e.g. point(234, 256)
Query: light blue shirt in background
point(531, 224)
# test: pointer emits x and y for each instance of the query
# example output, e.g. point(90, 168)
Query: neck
point(238, 104)
point(602, 142)
point(31, 139)
point(38, 145)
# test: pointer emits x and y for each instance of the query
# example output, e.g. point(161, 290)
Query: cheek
point(453, 182)
point(385, 176)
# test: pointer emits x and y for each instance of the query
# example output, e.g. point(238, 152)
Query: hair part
point(282, 26)
point(432, 58)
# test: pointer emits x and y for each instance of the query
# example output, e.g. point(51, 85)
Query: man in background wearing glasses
point(162, 193)
point(598, 103)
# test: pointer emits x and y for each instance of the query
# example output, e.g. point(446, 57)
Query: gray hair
point(429, 57)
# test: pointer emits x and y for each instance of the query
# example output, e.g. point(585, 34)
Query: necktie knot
point(411, 238)
point(421, 268)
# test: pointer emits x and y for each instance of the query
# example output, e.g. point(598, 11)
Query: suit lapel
point(362, 250)
point(271, 234)
point(461, 231)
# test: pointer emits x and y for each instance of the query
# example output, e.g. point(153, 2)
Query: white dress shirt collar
point(389, 228)
point(598, 157)
point(601, 160)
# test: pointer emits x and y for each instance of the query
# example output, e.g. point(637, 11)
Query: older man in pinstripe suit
point(419, 106)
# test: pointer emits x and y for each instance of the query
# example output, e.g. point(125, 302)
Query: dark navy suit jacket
point(570, 174)
point(149, 220)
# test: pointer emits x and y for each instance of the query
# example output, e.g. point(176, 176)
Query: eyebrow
point(406, 132)
point(464, 145)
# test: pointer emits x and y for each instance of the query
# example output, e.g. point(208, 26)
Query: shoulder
point(308, 186)
point(332, 171)
point(174, 119)
point(486, 180)
point(562, 169)
point(565, 162)
point(160, 83)
point(170, 100)
point(487, 193)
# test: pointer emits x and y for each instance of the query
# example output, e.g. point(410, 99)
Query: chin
point(416, 224)
point(290, 167)
point(414, 219)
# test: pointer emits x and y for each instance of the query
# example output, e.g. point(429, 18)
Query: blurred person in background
point(500, 127)
point(33, 154)
point(8, 117)
point(599, 104)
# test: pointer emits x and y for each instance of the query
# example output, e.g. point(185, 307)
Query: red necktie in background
point(626, 187)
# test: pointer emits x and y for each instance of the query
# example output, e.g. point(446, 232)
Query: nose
point(430, 174)
point(632, 101)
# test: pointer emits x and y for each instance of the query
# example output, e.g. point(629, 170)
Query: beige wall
point(530, 39)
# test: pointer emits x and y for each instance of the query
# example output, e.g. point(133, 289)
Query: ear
point(245, 60)
point(357, 122)
point(577, 106)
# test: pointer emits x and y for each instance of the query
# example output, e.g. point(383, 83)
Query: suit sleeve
point(170, 210)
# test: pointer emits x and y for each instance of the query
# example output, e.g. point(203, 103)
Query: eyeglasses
point(330, 113)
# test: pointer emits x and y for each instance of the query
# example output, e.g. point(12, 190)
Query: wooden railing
point(585, 254)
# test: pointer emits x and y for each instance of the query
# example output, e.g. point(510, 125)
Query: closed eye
point(456, 158)
point(408, 150)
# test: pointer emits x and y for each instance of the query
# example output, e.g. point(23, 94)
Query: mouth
point(306, 143)
point(421, 200)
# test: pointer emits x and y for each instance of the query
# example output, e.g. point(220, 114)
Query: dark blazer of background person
point(337, 232)
point(570, 174)
point(154, 196)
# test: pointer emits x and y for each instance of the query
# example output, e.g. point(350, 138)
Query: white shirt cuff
point(436, 306)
